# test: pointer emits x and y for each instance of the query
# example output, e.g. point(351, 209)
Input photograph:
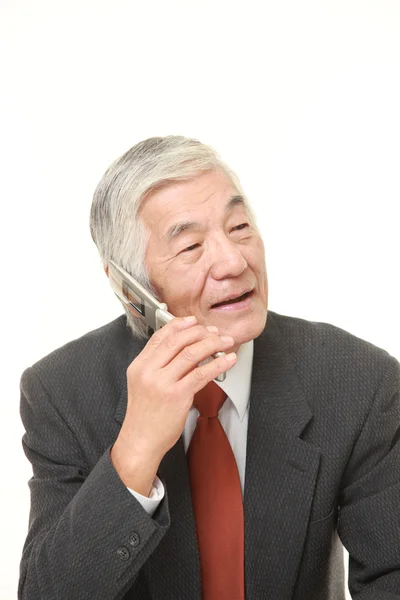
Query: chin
point(246, 330)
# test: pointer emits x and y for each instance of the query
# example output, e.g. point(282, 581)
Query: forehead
point(204, 197)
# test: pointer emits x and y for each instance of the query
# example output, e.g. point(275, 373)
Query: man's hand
point(162, 381)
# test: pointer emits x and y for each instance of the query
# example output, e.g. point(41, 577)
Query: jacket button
point(123, 553)
point(134, 539)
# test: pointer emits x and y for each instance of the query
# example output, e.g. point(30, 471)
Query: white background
point(301, 98)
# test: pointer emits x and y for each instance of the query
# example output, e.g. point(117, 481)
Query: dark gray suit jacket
point(323, 462)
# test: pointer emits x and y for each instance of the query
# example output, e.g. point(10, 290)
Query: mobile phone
point(154, 313)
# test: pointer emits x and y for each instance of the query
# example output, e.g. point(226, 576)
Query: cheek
point(263, 278)
point(258, 266)
point(183, 288)
point(196, 280)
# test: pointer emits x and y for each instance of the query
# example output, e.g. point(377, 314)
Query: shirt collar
point(237, 383)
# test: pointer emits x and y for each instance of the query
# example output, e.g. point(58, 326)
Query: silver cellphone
point(154, 313)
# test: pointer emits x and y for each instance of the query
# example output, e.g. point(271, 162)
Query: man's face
point(202, 251)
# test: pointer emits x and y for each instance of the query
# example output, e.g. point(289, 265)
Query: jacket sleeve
point(88, 535)
point(369, 502)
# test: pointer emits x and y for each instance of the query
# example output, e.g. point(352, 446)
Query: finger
point(175, 342)
point(194, 381)
point(191, 355)
point(171, 329)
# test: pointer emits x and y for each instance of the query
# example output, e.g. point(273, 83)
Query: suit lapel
point(281, 471)
point(280, 477)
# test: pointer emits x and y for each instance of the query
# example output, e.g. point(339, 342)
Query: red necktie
point(217, 501)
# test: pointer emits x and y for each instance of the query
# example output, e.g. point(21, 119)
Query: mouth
point(233, 300)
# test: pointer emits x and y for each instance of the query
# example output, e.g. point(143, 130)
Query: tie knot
point(209, 400)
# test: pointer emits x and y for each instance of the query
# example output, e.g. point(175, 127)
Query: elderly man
point(153, 480)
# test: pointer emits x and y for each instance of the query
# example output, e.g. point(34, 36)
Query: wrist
point(136, 470)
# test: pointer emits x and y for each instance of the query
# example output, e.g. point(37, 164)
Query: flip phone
point(154, 313)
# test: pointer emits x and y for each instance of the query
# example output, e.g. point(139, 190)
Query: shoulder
point(330, 359)
point(80, 383)
point(302, 336)
point(96, 350)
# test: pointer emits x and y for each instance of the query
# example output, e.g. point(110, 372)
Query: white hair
point(116, 227)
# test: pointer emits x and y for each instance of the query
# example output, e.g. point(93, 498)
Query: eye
point(189, 248)
point(241, 226)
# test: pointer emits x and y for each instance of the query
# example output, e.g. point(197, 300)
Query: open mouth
point(234, 301)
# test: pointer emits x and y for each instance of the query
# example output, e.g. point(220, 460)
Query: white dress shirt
point(234, 416)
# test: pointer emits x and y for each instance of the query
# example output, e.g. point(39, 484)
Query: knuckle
point(154, 342)
point(177, 323)
point(205, 333)
point(146, 378)
point(187, 354)
point(201, 331)
point(170, 341)
point(156, 338)
point(199, 375)
point(211, 345)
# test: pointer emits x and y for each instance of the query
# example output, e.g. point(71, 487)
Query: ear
point(106, 269)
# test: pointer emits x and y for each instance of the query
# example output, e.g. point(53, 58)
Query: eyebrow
point(179, 228)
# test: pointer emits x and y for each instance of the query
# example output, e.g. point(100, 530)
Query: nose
point(227, 259)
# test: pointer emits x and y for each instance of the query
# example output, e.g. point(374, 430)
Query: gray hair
point(115, 225)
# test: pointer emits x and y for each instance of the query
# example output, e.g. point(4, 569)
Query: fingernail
point(231, 356)
point(212, 328)
point(190, 319)
point(227, 338)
